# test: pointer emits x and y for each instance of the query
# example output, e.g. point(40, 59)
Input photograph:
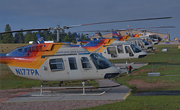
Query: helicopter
point(152, 38)
point(113, 48)
point(58, 61)
point(141, 43)
point(135, 39)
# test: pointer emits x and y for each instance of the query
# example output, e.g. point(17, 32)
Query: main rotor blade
point(25, 30)
point(67, 27)
point(103, 30)
point(147, 28)
point(164, 27)
point(118, 21)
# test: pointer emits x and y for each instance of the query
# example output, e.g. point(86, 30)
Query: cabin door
point(129, 51)
point(74, 68)
point(112, 51)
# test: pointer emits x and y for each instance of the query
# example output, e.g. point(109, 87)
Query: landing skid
point(68, 91)
point(129, 63)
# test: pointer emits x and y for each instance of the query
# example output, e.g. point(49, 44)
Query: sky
point(32, 14)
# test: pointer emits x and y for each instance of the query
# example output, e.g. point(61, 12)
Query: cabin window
point(128, 50)
point(56, 64)
point(28, 49)
point(25, 49)
point(85, 63)
point(19, 50)
point(33, 48)
point(120, 49)
point(140, 44)
point(72, 63)
point(145, 42)
point(112, 51)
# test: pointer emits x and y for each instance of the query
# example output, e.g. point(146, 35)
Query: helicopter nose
point(113, 72)
point(142, 54)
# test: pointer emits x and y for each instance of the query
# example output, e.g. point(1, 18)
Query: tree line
point(25, 37)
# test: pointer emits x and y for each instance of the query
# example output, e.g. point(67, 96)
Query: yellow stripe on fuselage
point(105, 45)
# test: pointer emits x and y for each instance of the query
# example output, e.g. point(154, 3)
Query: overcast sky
point(30, 14)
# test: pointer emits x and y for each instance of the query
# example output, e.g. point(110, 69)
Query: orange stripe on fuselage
point(99, 45)
point(34, 60)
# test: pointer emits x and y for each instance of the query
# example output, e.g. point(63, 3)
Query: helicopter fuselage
point(114, 49)
point(58, 62)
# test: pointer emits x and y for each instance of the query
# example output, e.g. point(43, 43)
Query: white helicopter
point(58, 62)
point(152, 38)
point(141, 43)
point(113, 48)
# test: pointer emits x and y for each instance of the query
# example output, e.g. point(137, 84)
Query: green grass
point(143, 103)
point(163, 69)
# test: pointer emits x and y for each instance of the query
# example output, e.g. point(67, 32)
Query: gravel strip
point(52, 105)
point(47, 105)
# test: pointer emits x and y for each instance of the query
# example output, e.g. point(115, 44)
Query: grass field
point(167, 63)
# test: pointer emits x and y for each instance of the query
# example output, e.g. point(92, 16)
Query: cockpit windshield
point(145, 42)
point(135, 48)
point(99, 61)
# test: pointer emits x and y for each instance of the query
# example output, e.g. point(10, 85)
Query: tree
point(8, 38)
point(66, 39)
point(28, 36)
point(19, 37)
point(1, 38)
point(54, 35)
point(50, 38)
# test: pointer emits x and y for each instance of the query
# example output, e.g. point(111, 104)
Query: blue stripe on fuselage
point(2, 55)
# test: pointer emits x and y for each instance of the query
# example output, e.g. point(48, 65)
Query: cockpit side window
point(135, 48)
point(99, 61)
point(85, 63)
point(56, 64)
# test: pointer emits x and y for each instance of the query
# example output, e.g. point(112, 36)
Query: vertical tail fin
point(100, 35)
point(115, 34)
point(40, 39)
point(77, 37)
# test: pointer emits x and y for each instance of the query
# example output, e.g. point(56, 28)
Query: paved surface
point(116, 93)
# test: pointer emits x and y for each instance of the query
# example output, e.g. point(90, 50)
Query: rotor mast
point(58, 31)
